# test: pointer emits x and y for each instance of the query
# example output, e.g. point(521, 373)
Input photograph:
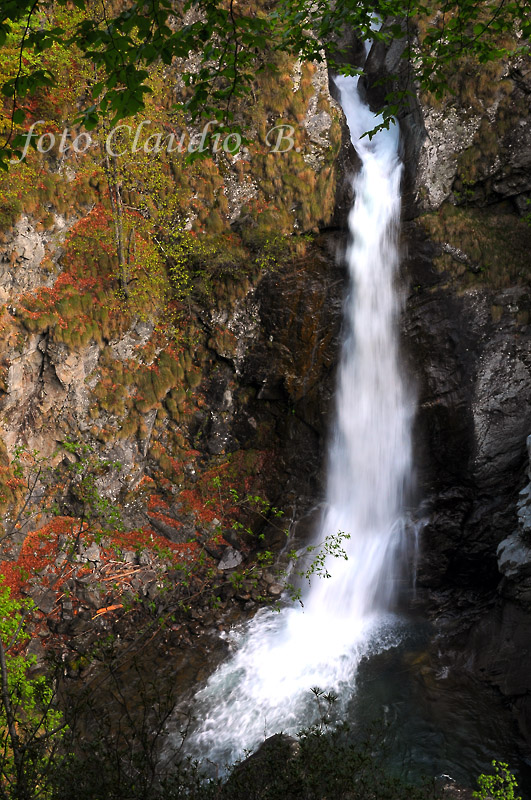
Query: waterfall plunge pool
point(431, 718)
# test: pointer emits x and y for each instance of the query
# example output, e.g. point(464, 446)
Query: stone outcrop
point(22, 253)
point(473, 418)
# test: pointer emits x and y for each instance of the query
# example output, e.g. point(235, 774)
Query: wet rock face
point(474, 381)
point(524, 502)
point(466, 336)
point(276, 387)
point(497, 649)
point(467, 348)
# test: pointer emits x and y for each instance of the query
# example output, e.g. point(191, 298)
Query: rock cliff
point(206, 381)
point(467, 239)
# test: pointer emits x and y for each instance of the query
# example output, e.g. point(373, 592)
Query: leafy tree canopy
point(222, 43)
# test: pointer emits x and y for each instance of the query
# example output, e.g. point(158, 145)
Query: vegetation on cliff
point(150, 241)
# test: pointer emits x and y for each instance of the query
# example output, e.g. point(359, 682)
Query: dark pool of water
point(436, 719)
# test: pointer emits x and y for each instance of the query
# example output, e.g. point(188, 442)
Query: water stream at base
point(264, 687)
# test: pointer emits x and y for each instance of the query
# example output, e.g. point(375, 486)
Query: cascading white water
point(370, 458)
point(264, 687)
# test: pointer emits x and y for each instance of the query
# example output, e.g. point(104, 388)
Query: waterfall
point(263, 688)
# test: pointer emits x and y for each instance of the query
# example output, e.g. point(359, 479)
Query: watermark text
point(124, 139)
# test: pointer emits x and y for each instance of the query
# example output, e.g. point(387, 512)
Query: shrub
point(500, 786)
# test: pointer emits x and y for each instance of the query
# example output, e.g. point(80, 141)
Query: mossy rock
point(495, 243)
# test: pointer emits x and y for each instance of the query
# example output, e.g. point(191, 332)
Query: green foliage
point(502, 785)
point(81, 475)
point(312, 561)
point(121, 755)
point(70, 487)
point(31, 728)
point(10, 208)
point(330, 547)
point(232, 43)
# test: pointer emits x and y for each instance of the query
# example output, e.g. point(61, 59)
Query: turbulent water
point(264, 687)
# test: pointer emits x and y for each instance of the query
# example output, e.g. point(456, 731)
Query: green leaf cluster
point(502, 785)
point(31, 727)
point(228, 43)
